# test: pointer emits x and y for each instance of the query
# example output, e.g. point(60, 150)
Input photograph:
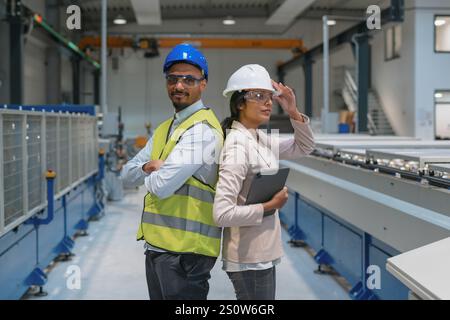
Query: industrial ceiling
point(274, 15)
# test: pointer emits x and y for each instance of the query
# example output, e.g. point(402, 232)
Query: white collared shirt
point(175, 171)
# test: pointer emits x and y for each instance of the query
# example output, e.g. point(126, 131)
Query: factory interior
point(85, 93)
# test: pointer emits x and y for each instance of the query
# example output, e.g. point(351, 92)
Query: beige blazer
point(248, 237)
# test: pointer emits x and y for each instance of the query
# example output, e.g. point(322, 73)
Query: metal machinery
point(49, 189)
point(357, 201)
point(112, 129)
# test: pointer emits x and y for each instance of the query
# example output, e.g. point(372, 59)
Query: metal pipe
point(50, 176)
point(104, 61)
point(326, 75)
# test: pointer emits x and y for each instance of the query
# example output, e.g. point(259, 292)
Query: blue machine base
point(82, 225)
point(358, 292)
point(65, 246)
point(322, 257)
point(342, 246)
point(36, 278)
point(27, 250)
point(296, 234)
point(96, 210)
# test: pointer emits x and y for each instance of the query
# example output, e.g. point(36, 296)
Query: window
point(392, 42)
point(442, 114)
point(442, 33)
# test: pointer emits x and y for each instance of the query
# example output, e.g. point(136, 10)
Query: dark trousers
point(173, 276)
point(254, 284)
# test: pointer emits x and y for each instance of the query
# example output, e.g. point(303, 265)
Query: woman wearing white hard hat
point(252, 246)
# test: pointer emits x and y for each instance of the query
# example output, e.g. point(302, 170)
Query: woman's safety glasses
point(259, 96)
point(186, 80)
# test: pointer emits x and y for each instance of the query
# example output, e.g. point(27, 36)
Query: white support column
point(104, 61)
point(326, 75)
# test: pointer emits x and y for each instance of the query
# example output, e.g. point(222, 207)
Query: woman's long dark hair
point(237, 99)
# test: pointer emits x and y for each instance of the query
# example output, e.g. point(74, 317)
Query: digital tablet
point(264, 187)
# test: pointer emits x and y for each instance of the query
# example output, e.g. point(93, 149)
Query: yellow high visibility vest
point(184, 221)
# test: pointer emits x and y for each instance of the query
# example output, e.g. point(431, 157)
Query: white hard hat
point(250, 76)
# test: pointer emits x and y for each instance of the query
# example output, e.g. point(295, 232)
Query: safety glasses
point(259, 96)
point(186, 80)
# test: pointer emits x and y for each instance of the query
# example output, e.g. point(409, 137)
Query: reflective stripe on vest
point(182, 224)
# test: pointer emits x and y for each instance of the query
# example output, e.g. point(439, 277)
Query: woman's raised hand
point(287, 101)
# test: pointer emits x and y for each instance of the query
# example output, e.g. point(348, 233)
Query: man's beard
point(180, 106)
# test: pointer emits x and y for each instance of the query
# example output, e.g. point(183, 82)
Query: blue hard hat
point(186, 53)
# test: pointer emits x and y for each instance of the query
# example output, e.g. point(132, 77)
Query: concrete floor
point(110, 264)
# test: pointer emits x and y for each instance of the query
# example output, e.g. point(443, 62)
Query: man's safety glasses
point(186, 80)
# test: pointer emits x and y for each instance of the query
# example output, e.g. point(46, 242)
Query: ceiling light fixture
point(120, 20)
point(331, 22)
point(228, 21)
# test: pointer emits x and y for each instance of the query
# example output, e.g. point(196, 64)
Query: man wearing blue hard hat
point(181, 239)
